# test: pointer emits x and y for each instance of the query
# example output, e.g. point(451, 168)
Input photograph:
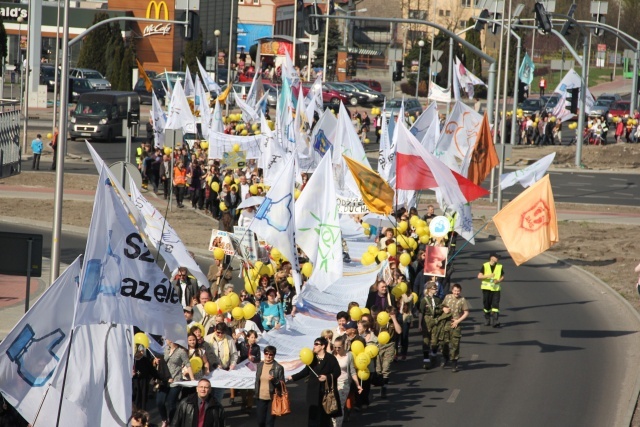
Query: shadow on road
point(544, 348)
point(529, 307)
point(575, 333)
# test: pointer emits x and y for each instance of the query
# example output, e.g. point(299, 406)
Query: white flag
point(33, 349)
point(97, 390)
point(384, 163)
point(432, 135)
point(314, 97)
point(121, 282)
point(318, 226)
point(421, 126)
point(216, 126)
point(438, 93)
point(458, 136)
point(256, 91)
point(189, 89)
point(273, 157)
point(180, 116)
point(159, 121)
point(163, 237)
point(249, 114)
point(529, 175)
point(202, 105)
point(212, 86)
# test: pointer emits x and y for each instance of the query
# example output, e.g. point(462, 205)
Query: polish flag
point(417, 169)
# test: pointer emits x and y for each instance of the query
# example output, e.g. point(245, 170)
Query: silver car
point(411, 106)
point(96, 80)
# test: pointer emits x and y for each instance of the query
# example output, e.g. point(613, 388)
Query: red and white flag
point(418, 169)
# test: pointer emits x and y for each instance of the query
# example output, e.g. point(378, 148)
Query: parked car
point(373, 84)
point(601, 108)
point(145, 95)
point(48, 76)
point(172, 76)
point(354, 96)
point(96, 79)
point(618, 108)
point(411, 106)
point(99, 115)
point(375, 96)
point(532, 106)
point(613, 97)
point(272, 94)
point(329, 95)
point(77, 87)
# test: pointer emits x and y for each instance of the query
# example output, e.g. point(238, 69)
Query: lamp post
point(230, 53)
point(217, 34)
point(421, 45)
point(19, 59)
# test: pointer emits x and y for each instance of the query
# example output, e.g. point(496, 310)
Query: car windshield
point(92, 75)
point(531, 103)
point(552, 102)
point(394, 104)
point(602, 103)
point(48, 71)
point(92, 108)
point(362, 86)
point(609, 98)
point(82, 84)
point(620, 106)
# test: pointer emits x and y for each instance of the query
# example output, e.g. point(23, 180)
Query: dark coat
point(277, 371)
point(190, 291)
point(187, 413)
point(315, 389)
point(230, 205)
point(371, 300)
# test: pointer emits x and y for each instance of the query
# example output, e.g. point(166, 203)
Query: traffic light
point(495, 26)
point(191, 29)
point(397, 75)
point(313, 24)
point(568, 25)
point(573, 105)
point(600, 18)
point(542, 19)
point(480, 23)
point(521, 90)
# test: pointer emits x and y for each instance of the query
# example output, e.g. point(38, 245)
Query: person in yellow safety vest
point(491, 274)
point(141, 154)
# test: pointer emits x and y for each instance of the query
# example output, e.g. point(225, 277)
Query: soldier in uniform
point(387, 352)
point(456, 305)
point(430, 310)
point(491, 274)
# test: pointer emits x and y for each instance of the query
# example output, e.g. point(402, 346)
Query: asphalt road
point(563, 356)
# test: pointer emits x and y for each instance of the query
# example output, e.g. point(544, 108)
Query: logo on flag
point(537, 217)
point(321, 144)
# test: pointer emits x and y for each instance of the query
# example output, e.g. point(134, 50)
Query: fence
point(9, 138)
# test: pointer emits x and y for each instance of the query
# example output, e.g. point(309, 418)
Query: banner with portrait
point(435, 261)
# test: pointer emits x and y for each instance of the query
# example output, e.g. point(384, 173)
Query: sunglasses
point(316, 344)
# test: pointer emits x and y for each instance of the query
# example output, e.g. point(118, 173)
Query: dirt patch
point(614, 157)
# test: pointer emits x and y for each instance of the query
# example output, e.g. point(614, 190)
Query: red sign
point(602, 48)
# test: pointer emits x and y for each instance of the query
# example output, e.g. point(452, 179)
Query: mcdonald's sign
point(158, 7)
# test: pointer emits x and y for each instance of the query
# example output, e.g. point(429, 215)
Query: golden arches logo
point(158, 7)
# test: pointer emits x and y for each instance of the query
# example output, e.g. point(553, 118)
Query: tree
point(126, 68)
point(93, 53)
point(471, 60)
point(114, 52)
point(335, 41)
point(193, 50)
point(414, 55)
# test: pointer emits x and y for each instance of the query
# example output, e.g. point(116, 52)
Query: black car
point(77, 87)
point(355, 97)
point(532, 106)
point(48, 76)
point(145, 95)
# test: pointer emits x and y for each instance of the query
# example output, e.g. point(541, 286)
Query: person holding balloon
point(175, 357)
point(347, 373)
point(389, 329)
point(322, 368)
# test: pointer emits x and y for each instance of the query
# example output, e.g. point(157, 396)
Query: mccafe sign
point(157, 10)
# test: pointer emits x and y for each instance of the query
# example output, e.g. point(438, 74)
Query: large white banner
point(121, 282)
point(220, 143)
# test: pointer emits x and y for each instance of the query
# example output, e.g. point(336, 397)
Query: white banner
point(351, 206)
point(247, 241)
point(220, 143)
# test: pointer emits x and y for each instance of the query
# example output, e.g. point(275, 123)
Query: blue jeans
point(167, 401)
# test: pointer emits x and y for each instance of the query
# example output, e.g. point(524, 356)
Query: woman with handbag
point(347, 374)
point(269, 377)
point(322, 386)
point(175, 357)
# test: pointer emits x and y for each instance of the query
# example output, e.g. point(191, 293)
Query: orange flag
point(529, 225)
point(376, 193)
point(484, 156)
point(143, 74)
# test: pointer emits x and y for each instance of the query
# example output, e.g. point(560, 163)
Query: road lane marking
point(596, 197)
point(623, 194)
point(585, 176)
point(474, 357)
point(618, 179)
point(454, 396)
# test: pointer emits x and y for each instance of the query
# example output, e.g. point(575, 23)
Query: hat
point(271, 289)
point(189, 309)
point(351, 325)
point(494, 254)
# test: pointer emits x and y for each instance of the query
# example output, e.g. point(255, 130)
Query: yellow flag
point(223, 96)
point(143, 74)
point(529, 224)
point(376, 193)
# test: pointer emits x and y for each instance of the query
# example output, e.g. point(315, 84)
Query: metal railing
point(10, 155)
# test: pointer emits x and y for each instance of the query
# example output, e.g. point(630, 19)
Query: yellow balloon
point(254, 126)
point(204, 145)
point(414, 296)
point(412, 243)
point(383, 337)
point(49, 135)
point(405, 259)
point(371, 350)
point(211, 308)
point(276, 254)
point(404, 242)
point(357, 347)
point(167, 151)
point(403, 226)
point(215, 186)
point(224, 303)
point(414, 220)
point(306, 356)
point(355, 313)
point(250, 286)
point(364, 374)
point(307, 269)
point(223, 206)
point(397, 291)
point(382, 255)
point(253, 189)
point(424, 239)
point(367, 232)
point(141, 339)
point(236, 147)
point(373, 249)
point(362, 360)
point(365, 310)
point(235, 299)
point(218, 253)
point(228, 179)
point(244, 132)
point(249, 311)
point(237, 313)
point(257, 132)
point(423, 223)
point(366, 225)
point(367, 259)
point(296, 194)
point(383, 318)
point(366, 140)
point(392, 249)
point(290, 280)
point(196, 364)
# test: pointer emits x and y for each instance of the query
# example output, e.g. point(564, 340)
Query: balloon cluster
point(409, 244)
point(573, 126)
point(376, 111)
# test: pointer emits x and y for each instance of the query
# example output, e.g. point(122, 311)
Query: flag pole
point(64, 376)
point(467, 242)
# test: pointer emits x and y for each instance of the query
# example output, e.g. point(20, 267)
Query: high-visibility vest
point(491, 284)
point(139, 155)
point(179, 176)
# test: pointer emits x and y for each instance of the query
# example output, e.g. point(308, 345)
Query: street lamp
point(19, 59)
point(421, 45)
point(217, 34)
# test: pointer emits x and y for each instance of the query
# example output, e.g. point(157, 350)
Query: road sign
point(437, 54)
point(437, 67)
